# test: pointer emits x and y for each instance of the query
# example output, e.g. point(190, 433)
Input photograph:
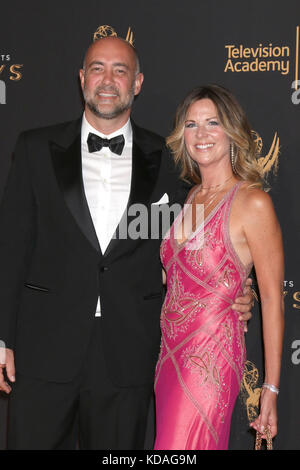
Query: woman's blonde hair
point(236, 126)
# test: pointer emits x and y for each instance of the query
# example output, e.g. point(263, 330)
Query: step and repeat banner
point(250, 47)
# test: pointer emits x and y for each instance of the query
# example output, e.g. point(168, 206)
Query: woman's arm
point(263, 234)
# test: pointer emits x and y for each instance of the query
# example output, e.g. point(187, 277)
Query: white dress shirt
point(106, 180)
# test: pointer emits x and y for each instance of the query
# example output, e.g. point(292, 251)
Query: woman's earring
point(233, 157)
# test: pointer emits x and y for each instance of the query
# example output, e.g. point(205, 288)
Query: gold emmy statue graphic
point(271, 159)
point(105, 31)
point(250, 393)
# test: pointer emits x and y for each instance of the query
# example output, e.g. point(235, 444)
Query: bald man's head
point(110, 78)
point(127, 44)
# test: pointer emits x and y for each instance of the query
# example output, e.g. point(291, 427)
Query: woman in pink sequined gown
point(202, 355)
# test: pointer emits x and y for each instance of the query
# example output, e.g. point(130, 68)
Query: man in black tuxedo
point(79, 307)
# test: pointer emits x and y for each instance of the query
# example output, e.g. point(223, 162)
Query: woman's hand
point(268, 413)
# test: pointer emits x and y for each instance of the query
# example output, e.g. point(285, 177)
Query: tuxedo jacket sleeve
point(49, 268)
point(17, 214)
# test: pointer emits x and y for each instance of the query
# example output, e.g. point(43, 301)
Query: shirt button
point(104, 268)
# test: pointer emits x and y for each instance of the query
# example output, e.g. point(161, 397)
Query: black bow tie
point(95, 143)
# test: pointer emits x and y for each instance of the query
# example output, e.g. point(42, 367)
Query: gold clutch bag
point(259, 439)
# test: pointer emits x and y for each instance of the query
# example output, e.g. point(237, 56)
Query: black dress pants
point(90, 410)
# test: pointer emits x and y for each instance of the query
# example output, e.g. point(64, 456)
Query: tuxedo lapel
point(146, 160)
point(145, 168)
point(68, 170)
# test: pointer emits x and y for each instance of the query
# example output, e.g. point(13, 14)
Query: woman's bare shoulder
point(253, 198)
point(253, 204)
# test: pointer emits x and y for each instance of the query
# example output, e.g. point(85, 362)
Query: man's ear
point(138, 83)
point(81, 77)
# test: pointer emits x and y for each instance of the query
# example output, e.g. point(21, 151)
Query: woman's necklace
point(218, 185)
point(212, 197)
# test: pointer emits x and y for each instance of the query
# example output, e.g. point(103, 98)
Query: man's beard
point(119, 108)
